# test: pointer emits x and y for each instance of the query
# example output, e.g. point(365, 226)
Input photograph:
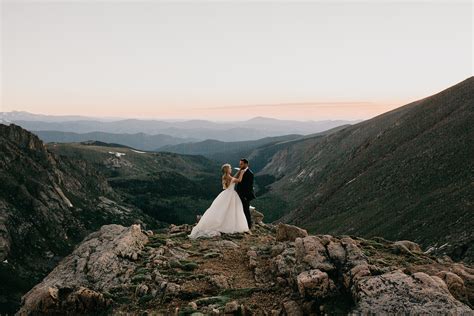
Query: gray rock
point(336, 251)
point(284, 265)
point(289, 232)
point(219, 281)
point(102, 260)
point(256, 216)
point(172, 289)
point(398, 293)
point(231, 307)
point(252, 254)
point(292, 308)
point(314, 284)
point(223, 244)
point(403, 247)
point(310, 250)
point(409, 245)
point(455, 285)
point(193, 305)
point(141, 290)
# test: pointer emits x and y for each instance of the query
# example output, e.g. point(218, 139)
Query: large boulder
point(256, 216)
point(405, 247)
point(311, 251)
point(286, 232)
point(314, 284)
point(292, 308)
point(398, 293)
point(105, 259)
point(455, 285)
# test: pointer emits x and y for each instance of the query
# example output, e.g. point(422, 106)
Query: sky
point(226, 60)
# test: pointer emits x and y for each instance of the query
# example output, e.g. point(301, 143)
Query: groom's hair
point(244, 160)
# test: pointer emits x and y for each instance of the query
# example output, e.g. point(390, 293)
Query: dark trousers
point(246, 205)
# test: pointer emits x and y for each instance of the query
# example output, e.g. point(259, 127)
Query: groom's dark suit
point(245, 191)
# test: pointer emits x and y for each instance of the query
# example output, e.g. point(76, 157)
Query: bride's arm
point(238, 177)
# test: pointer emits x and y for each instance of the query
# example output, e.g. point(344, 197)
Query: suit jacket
point(245, 188)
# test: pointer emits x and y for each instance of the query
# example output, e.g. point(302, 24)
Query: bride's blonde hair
point(224, 173)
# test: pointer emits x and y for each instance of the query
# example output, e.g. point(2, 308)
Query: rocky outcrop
point(256, 216)
point(398, 293)
point(289, 232)
point(104, 260)
point(48, 203)
point(126, 270)
point(23, 139)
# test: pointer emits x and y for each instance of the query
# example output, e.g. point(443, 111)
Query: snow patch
point(116, 154)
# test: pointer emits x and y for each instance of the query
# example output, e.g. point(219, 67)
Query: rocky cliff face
point(278, 270)
point(47, 205)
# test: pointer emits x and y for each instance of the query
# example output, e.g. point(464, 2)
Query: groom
point(245, 189)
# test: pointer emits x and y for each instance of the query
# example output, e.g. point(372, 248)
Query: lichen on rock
point(124, 270)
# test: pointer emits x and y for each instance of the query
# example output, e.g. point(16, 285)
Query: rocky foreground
point(278, 270)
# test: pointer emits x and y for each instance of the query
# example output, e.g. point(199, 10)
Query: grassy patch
point(238, 293)
point(144, 299)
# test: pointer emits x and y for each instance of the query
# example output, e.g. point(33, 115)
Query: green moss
point(188, 265)
point(144, 299)
point(142, 270)
point(140, 278)
point(175, 264)
point(122, 300)
point(184, 274)
point(238, 293)
point(212, 255)
point(186, 311)
point(218, 300)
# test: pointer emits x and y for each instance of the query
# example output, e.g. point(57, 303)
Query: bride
point(226, 213)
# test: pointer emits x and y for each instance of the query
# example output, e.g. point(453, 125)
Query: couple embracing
point(230, 210)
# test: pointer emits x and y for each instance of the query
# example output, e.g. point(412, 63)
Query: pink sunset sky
point(226, 60)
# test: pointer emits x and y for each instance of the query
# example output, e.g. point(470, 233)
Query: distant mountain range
point(178, 131)
point(140, 141)
point(405, 174)
point(211, 148)
point(258, 151)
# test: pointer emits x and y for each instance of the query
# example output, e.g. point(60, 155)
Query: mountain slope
point(406, 174)
point(47, 205)
point(225, 151)
point(170, 187)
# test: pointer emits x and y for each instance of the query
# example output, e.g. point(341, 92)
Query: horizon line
point(124, 118)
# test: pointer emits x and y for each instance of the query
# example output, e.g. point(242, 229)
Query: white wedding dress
point(225, 215)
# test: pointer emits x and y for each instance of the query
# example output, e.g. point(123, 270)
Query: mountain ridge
point(191, 129)
point(414, 158)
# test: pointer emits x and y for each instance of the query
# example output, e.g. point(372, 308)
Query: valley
point(169, 187)
point(404, 175)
